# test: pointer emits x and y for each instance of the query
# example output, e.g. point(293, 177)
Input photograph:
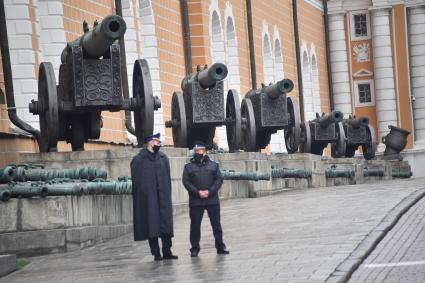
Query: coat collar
point(144, 153)
point(204, 160)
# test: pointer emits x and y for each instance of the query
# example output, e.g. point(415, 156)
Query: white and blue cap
point(153, 137)
point(200, 145)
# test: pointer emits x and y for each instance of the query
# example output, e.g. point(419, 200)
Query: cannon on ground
point(358, 132)
point(199, 109)
point(267, 110)
point(318, 133)
point(90, 82)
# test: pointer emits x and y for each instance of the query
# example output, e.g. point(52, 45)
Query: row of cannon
point(91, 80)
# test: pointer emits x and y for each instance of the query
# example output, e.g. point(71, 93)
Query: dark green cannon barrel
point(249, 176)
point(27, 190)
point(328, 119)
point(108, 187)
point(207, 77)
point(373, 172)
point(96, 43)
point(275, 90)
point(407, 174)
point(290, 173)
point(7, 174)
point(5, 194)
point(358, 122)
point(87, 173)
point(64, 189)
point(335, 172)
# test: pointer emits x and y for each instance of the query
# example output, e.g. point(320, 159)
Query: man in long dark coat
point(202, 179)
point(152, 207)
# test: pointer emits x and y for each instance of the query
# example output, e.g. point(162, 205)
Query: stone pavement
point(296, 236)
point(400, 256)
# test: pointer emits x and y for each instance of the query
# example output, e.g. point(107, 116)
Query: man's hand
point(203, 194)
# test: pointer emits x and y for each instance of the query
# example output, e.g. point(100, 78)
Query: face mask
point(156, 148)
point(198, 157)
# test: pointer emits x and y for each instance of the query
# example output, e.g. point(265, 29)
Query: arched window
point(267, 61)
point(278, 61)
point(317, 104)
point(232, 58)
point(306, 78)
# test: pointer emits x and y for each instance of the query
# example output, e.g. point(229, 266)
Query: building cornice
point(315, 3)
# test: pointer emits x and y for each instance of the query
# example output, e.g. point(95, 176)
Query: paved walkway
point(297, 236)
point(400, 256)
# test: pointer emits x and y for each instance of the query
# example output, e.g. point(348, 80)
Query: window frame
point(354, 37)
point(357, 94)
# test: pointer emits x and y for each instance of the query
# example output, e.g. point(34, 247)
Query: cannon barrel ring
point(281, 87)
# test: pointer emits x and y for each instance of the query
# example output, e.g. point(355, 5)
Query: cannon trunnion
point(200, 108)
point(318, 133)
point(358, 133)
point(90, 82)
point(267, 110)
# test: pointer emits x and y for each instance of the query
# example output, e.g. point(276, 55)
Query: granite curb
point(345, 269)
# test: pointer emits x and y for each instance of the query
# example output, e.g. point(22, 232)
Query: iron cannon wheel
point(338, 148)
point(293, 131)
point(248, 126)
point(305, 145)
point(142, 91)
point(178, 115)
point(49, 117)
point(233, 114)
point(369, 148)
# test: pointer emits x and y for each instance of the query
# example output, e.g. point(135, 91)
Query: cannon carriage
point(267, 110)
point(90, 81)
point(318, 133)
point(358, 133)
point(200, 108)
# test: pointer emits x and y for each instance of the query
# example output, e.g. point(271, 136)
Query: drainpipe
point(124, 77)
point(298, 56)
point(328, 53)
point(251, 44)
point(8, 79)
point(186, 36)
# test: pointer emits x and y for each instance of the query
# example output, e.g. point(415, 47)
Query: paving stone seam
point(345, 269)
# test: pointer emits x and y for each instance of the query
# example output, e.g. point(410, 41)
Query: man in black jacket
point(202, 179)
point(152, 207)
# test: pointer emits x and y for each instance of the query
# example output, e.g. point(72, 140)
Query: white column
point(386, 104)
point(416, 31)
point(339, 64)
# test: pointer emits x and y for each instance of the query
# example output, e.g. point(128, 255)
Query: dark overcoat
point(152, 206)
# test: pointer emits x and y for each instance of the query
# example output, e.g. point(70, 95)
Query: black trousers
point(166, 245)
point(196, 214)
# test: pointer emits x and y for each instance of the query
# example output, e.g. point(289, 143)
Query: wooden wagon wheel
point(178, 117)
point(305, 145)
point(369, 148)
point(293, 131)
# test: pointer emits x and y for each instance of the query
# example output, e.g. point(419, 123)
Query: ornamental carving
point(362, 52)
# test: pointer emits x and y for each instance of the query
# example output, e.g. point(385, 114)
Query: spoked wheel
point(178, 119)
point(248, 126)
point(142, 91)
point(369, 148)
point(293, 131)
point(49, 115)
point(350, 151)
point(233, 120)
point(339, 147)
point(305, 139)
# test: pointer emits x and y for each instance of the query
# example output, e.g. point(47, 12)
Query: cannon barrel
point(250, 176)
point(7, 174)
point(358, 122)
point(328, 119)
point(275, 90)
point(96, 42)
point(207, 77)
point(5, 194)
point(290, 173)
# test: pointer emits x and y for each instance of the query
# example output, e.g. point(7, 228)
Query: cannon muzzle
point(207, 77)
point(96, 42)
point(281, 87)
point(328, 119)
point(358, 122)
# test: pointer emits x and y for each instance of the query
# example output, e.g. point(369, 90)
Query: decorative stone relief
point(361, 52)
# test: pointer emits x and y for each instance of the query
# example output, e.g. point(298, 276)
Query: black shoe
point(158, 257)
point(170, 256)
point(194, 253)
point(223, 252)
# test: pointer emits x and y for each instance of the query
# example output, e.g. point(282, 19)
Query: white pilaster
point(386, 104)
point(416, 31)
point(339, 64)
